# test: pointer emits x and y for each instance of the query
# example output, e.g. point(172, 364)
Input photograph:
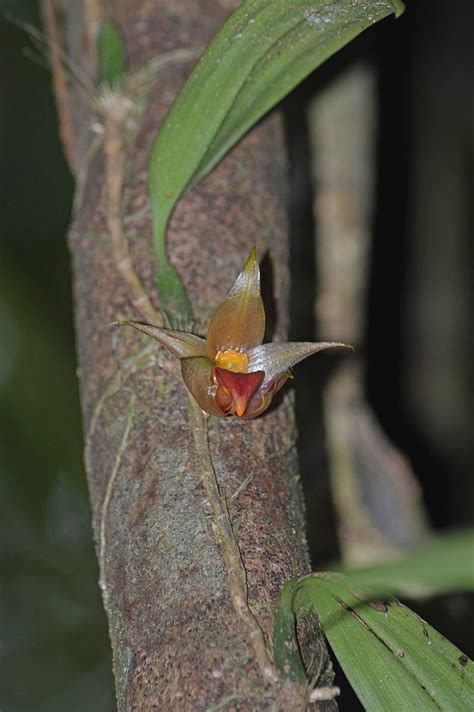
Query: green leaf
point(174, 302)
point(261, 53)
point(443, 564)
point(392, 658)
point(285, 645)
point(112, 62)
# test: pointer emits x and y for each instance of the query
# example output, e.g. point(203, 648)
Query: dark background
point(55, 652)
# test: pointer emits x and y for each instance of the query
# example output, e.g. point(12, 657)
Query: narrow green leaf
point(174, 302)
point(112, 62)
point(261, 53)
point(286, 651)
point(392, 658)
point(445, 563)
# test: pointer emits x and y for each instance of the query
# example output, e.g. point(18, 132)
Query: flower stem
point(227, 541)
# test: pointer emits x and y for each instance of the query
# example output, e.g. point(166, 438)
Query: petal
point(224, 399)
point(241, 386)
point(179, 343)
point(197, 375)
point(257, 404)
point(275, 359)
point(239, 321)
point(263, 396)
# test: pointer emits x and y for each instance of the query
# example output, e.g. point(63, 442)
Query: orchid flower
point(231, 372)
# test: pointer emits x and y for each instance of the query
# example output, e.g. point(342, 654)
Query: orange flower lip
point(241, 386)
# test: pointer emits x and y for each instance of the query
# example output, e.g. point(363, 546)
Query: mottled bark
point(177, 642)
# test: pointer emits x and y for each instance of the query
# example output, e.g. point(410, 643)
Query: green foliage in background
point(443, 564)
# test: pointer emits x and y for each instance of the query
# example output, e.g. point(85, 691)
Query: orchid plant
point(231, 372)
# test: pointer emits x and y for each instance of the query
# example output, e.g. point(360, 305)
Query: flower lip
point(241, 386)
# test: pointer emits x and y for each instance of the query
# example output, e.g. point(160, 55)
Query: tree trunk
point(177, 641)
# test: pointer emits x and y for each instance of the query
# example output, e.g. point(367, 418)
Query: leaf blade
point(441, 565)
point(393, 659)
point(235, 83)
point(286, 652)
point(381, 685)
point(423, 667)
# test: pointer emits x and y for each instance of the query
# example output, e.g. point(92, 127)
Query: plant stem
point(115, 110)
point(224, 533)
